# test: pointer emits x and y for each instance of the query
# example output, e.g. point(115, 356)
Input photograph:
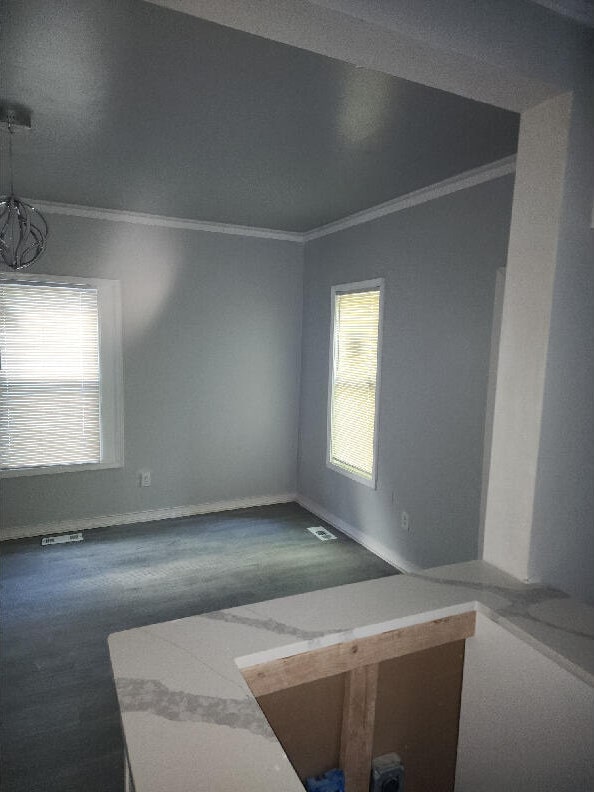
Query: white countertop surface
point(190, 721)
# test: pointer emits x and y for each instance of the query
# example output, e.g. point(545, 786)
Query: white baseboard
point(85, 524)
point(129, 518)
point(375, 547)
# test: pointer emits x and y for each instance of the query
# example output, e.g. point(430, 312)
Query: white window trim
point(345, 288)
point(111, 367)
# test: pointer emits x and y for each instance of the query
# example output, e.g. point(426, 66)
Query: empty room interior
point(296, 390)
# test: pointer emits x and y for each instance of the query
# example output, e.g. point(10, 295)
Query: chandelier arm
point(38, 244)
point(24, 234)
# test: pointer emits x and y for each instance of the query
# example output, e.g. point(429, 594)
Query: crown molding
point(140, 218)
point(462, 181)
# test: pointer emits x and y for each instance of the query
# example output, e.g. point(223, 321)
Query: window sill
point(367, 482)
point(51, 470)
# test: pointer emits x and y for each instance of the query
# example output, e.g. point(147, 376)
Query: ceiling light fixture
point(23, 230)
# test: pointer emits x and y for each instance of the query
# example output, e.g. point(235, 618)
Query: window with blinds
point(356, 314)
point(50, 406)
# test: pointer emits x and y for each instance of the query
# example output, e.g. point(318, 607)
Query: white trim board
point(375, 547)
point(177, 512)
point(463, 181)
point(140, 218)
point(108, 520)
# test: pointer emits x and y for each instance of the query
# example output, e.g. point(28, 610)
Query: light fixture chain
point(10, 170)
point(23, 229)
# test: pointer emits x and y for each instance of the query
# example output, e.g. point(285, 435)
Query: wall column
point(531, 263)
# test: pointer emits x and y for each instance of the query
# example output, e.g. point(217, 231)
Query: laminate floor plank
point(60, 728)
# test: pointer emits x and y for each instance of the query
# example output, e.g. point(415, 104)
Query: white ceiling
point(578, 10)
point(137, 107)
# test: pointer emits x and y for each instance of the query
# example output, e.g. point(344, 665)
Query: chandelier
point(23, 230)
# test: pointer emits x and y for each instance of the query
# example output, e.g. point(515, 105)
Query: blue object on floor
point(332, 781)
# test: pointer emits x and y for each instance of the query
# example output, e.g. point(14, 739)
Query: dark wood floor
point(60, 726)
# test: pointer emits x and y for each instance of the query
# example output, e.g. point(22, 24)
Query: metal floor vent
point(323, 534)
point(62, 539)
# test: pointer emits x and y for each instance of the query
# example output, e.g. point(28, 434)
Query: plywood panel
point(418, 713)
point(307, 720)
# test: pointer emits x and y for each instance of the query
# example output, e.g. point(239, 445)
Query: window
point(354, 379)
point(60, 374)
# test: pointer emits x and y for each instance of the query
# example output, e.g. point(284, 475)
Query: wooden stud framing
point(346, 657)
point(358, 719)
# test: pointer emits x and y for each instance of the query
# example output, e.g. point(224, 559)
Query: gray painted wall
point(522, 40)
point(562, 547)
point(439, 261)
point(212, 333)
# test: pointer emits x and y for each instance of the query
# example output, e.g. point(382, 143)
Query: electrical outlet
point(404, 521)
point(144, 478)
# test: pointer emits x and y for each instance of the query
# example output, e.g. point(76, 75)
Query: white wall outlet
point(144, 478)
point(404, 521)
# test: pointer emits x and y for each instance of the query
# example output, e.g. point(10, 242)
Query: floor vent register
point(62, 539)
point(323, 534)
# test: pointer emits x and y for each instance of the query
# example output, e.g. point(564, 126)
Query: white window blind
point(354, 380)
point(49, 375)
